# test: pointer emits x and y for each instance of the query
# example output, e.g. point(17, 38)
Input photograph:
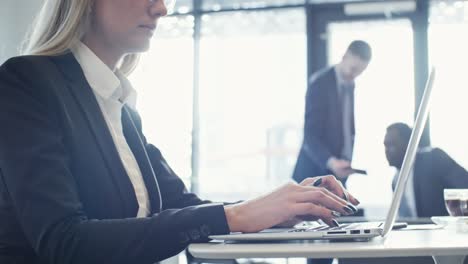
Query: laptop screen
point(410, 154)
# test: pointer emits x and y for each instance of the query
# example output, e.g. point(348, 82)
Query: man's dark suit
point(323, 126)
point(65, 196)
point(433, 172)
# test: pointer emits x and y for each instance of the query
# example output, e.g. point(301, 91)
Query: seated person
point(79, 183)
point(433, 171)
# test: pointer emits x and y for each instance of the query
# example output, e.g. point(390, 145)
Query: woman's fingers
point(325, 198)
point(290, 222)
point(315, 211)
point(323, 182)
point(308, 217)
point(310, 181)
point(336, 187)
point(349, 197)
point(331, 184)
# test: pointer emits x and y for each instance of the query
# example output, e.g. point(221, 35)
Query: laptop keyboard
point(325, 228)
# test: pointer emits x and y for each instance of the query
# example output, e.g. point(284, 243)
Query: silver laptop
point(354, 231)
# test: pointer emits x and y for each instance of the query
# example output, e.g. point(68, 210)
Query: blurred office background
point(222, 89)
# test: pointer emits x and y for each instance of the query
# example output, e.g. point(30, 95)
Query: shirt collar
point(129, 94)
point(104, 82)
point(340, 80)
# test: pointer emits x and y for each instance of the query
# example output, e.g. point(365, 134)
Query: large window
point(164, 84)
point(252, 88)
point(183, 6)
point(245, 4)
point(384, 95)
point(448, 50)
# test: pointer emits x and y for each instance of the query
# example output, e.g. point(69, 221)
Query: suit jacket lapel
point(135, 141)
point(86, 99)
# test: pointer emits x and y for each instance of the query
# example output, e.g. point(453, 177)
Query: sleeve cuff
point(217, 221)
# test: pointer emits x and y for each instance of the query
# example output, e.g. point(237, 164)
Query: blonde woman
point(78, 181)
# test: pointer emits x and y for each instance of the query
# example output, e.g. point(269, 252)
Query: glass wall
point(448, 51)
point(252, 88)
point(384, 94)
point(215, 5)
point(164, 84)
point(183, 6)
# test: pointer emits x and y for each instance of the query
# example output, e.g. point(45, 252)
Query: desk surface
point(398, 243)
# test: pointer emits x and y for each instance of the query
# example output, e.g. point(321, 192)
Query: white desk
point(446, 247)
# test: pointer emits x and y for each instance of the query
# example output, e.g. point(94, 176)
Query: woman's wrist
point(233, 217)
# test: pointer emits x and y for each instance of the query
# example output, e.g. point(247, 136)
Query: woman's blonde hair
point(59, 25)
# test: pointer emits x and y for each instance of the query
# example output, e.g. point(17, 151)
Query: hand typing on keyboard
point(292, 203)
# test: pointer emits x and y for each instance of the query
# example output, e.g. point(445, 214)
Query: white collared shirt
point(408, 196)
point(112, 91)
point(340, 82)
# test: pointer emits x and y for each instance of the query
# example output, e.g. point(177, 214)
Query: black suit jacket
point(65, 196)
point(435, 170)
point(323, 126)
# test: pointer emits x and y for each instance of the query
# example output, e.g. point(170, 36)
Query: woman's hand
point(290, 201)
point(329, 182)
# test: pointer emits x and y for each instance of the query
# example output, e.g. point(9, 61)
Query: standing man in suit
point(433, 171)
point(329, 117)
